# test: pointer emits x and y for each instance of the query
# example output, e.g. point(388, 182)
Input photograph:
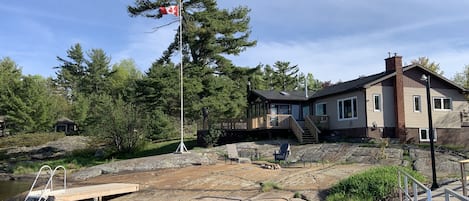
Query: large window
point(320, 109)
point(377, 102)
point(425, 135)
point(441, 103)
point(305, 111)
point(295, 112)
point(417, 103)
point(347, 108)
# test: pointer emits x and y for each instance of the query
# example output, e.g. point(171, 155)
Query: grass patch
point(375, 184)
point(29, 139)
point(268, 186)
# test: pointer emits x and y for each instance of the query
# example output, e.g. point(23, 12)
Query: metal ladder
point(44, 193)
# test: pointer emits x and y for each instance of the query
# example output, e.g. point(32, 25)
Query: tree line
point(125, 106)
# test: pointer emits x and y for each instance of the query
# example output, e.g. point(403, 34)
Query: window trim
point(441, 98)
point(341, 106)
point(419, 102)
point(428, 135)
point(380, 105)
point(316, 108)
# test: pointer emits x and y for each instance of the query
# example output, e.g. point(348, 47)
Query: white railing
point(450, 193)
point(415, 185)
point(43, 195)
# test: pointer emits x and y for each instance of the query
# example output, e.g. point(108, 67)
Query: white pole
point(181, 148)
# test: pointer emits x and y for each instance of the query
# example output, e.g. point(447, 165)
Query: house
point(66, 125)
point(391, 104)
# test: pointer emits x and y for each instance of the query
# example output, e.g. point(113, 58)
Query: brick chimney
point(394, 64)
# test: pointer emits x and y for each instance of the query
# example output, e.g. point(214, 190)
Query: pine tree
point(71, 73)
point(285, 76)
point(209, 35)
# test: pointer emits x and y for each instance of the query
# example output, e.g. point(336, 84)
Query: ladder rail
point(49, 181)
point(53, 174)
point(37, 177)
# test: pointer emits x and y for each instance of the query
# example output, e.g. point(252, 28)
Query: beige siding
point(385, 117)
point(441, 119)
point(331, 107)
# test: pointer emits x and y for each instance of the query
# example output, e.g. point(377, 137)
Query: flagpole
point(181, 148)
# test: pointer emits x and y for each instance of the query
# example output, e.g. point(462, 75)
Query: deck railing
point(321, 121)
point(309, 123)
point(450, 193)
point(404, 191)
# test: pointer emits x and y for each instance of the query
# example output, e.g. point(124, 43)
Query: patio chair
point(233, 154)
point(283, 153)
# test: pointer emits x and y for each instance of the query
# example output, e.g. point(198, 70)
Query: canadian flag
point(174, 10)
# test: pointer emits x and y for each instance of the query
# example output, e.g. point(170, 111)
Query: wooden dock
point(90, 192)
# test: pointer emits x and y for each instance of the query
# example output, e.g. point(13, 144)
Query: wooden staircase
point(307, 134)
point(308, 137)
point(311, 132)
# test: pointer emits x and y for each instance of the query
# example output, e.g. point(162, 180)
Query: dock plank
point(93, 191)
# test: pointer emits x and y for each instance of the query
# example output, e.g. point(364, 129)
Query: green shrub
point(374, 184)
point(212, 136)
point(268, 186)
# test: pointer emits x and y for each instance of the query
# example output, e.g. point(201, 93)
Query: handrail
point(49, 181)
point(312, 126)
point(449, 192)
point(296, 128)
point(415, 184)
point(53, 173)
point(35, 180)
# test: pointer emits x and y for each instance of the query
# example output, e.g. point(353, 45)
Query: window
point(305, 111)
point(417, 104)
point(440, 103)
point(320, 109)
point(377, 102)
point(347, 108)
point(283, 109)
point(425, 135)
point(295, 112)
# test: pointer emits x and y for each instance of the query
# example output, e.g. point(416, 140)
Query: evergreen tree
point(71, 73)
point(209, 35)
point(285, 76)
point(10, 79)
point(96, 79)
point(313, 84)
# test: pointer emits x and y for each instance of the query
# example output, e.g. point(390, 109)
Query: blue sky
point(333, 39)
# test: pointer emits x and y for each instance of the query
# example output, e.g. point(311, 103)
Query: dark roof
point(65, 120)
point(283, 95)
point(349, 85)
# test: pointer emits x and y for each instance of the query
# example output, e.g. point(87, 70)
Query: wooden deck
point(90, 192)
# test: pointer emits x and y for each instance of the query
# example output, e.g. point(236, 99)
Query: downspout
point(367, 134)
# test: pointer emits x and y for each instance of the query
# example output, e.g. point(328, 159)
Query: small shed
point(66, 125)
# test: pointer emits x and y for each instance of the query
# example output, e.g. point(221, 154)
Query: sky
point(336, 40)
